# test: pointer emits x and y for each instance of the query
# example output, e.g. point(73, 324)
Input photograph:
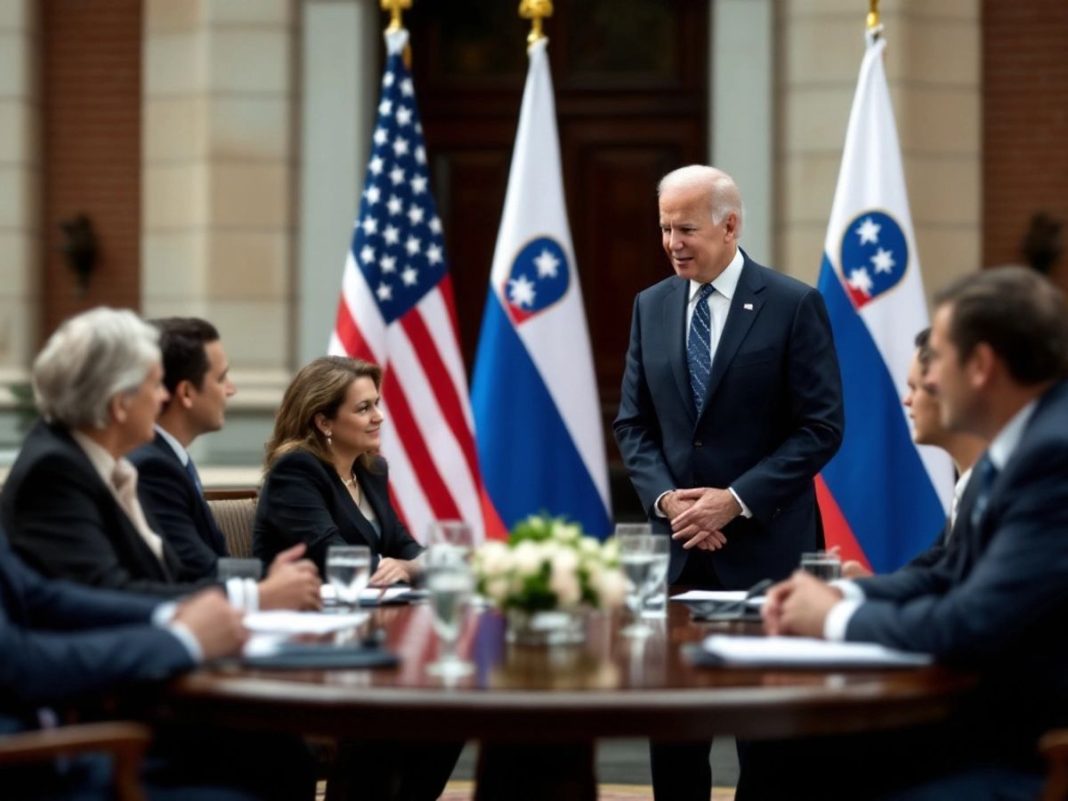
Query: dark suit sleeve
point(294, 507)
point(78, 640)
point(1017, 585)
point(165, 493)
point(57, 527)
point(636, 428)
point(815, 396)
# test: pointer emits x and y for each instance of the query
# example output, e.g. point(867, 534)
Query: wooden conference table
point(538, 710)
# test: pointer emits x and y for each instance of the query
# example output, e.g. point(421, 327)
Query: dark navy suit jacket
point(60, 640)
point(64, 522)
point(772, 418)
point(997, 601)
point(186, 522)
point(304, 500)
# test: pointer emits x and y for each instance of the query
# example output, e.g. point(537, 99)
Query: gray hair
point(724, 196)
point(88, 360)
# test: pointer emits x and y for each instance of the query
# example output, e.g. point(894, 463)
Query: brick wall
point(91, 148)
point(1025, 123)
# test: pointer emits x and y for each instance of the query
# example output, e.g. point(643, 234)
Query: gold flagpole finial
point(535, 11)
point(395, 7)
point(873, 14)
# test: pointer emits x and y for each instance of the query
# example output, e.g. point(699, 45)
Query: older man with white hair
point(70, 504)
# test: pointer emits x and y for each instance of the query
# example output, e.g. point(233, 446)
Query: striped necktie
point(699, 347)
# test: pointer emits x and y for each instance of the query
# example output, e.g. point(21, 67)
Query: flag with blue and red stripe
point(533, 393)
point(882, 497)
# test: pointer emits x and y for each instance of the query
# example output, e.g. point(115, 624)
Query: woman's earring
point(329, 440)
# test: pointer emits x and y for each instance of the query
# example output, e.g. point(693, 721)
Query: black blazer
point(304, 500)
point(168, 492)
point(998, 598)
point(772, 418)
point(64, 522)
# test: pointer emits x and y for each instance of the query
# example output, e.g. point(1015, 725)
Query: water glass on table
point(454, 534)
point(348, 569)
point(643, 558)
point(824, 565)
point(655, 605)
point(450, 583)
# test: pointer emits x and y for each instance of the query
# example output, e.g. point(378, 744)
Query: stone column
point(934, 71)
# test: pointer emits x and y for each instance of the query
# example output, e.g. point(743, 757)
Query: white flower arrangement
point(547, 564)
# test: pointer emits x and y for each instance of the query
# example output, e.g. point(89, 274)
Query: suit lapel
point(363, 526)
point(215, 538)
point(673, 326)
point(745, 306)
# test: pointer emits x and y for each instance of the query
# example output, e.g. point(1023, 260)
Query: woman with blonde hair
point(325, 483)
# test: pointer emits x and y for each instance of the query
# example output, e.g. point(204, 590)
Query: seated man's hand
point(854, 570)
point(292, 582)
point(390, 571)
point(709, 511)
point(215, 624)
point(799, 605)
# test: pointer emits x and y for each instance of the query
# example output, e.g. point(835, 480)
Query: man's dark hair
point(1018, 313)
point(923, 348)
point(181, 342)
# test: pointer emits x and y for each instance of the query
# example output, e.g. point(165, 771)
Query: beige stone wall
point(219, 177)
point(20, 172)
point(934, 69)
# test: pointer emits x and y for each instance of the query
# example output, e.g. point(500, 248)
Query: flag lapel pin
point(747, 306)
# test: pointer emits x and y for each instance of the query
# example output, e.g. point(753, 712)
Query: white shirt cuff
point(851, 591)
point(244, 594)
point(745, 509)
point(834, 627)
point(656, 506)
point(186, 638)
point(164, 613)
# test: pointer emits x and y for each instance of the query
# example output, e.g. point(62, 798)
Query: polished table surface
point(609, 686)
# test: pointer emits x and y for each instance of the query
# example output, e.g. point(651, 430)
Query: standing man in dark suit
point(196, 375)
point(996, 602)
point(731, 403)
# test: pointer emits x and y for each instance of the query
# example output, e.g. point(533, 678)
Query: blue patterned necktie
point(191, 469)
point(699, 347)
point(985, 473)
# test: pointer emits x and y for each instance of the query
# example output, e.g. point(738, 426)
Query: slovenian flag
point(534, 396)
point(883, 498)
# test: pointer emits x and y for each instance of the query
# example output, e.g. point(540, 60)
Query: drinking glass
point(348, 569)
point(449, 583)
point(451, 533)
point(639, 556)
point(825, 565)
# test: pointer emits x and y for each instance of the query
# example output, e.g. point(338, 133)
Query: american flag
point(397, 310)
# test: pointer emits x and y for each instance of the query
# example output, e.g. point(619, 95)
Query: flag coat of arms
point(883, 498)
point(397, 310)
point(534, 394)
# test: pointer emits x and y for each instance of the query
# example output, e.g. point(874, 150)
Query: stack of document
point(803, 652)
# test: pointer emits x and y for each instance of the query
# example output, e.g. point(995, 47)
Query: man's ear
point(730, 225)
point(117, 407)
point(184, 393)
point(981, 365)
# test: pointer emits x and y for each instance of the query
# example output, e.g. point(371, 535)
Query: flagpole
point(396, 23)
point(873, 14)
point(535, 11)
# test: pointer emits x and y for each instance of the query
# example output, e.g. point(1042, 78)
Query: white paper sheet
point(721, 596)
point(806, 652)
point(327, 593)
point(283, 621)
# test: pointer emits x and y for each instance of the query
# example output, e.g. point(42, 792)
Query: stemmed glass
point(348, 569)
point(640, 556)
point(449, 582)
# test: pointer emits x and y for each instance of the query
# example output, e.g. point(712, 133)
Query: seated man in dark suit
point(963, 448)
point(61, 642)
point(70, 503)
point(996, 602)
point(196, 375)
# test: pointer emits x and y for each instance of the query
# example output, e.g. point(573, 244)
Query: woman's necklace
point(352, 485)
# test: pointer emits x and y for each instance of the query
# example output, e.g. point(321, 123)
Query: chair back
point(1054, 746)
point(234, 512)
